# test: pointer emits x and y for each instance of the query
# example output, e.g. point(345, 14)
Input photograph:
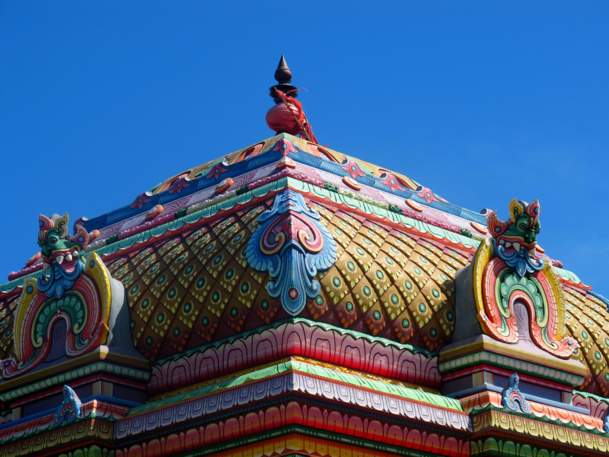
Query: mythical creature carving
point(71, 288)
point(515, 240)
point(505, 270)
point(62, 254)
point(291, 244)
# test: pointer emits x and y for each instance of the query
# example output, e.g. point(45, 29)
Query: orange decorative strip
point(352, 183)
point(33, 259)
point(224, 185)
point(154, 212)
point(285, 161)
point(414, 205)
point(479, 227)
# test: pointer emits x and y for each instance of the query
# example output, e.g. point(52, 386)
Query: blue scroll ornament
point(70, 407)
point(292, 245)
point(512, 398)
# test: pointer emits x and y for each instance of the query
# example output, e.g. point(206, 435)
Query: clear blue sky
point(480, 101)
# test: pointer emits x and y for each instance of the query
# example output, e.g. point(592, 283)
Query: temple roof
point(180, 251)
point(241, 163)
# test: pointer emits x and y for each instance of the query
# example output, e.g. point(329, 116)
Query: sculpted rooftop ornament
point(505, 272)
point(70, 408)
point(287, 115)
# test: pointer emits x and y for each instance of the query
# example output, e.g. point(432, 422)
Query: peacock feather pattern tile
point(197, 286)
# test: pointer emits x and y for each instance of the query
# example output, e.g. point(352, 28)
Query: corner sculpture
point(291, 244)
point(505, 270)
point(74, 289)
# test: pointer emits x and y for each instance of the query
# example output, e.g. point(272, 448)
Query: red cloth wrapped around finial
point(289, 117)
point(280, 118)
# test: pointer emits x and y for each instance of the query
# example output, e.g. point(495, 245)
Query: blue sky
point(480, 101)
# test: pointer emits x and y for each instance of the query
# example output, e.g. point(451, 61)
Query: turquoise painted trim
point(208, 209)
point(600, 297)
point(512, 364)
point(74, 374)
point(7, 287)
point(598, 398)
point(195, 214)
point(566, 274)
point(370, 207)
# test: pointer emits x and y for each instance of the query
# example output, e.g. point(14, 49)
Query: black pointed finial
point(283, 75)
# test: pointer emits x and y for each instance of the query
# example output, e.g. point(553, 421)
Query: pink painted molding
point(231, 400)
point(297, 338)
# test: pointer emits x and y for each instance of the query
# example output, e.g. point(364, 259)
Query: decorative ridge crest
point(292, 245)
point(203, 177)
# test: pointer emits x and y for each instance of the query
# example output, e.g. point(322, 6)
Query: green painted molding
point(492, 447)
point(314, 370)
point(91, 451)
point(510, 363)
point(194, 214)
point(211, 207)
point(598, 398)
point(64, 378)
point(370, 206)
point(379, 386)
point(566, 274)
